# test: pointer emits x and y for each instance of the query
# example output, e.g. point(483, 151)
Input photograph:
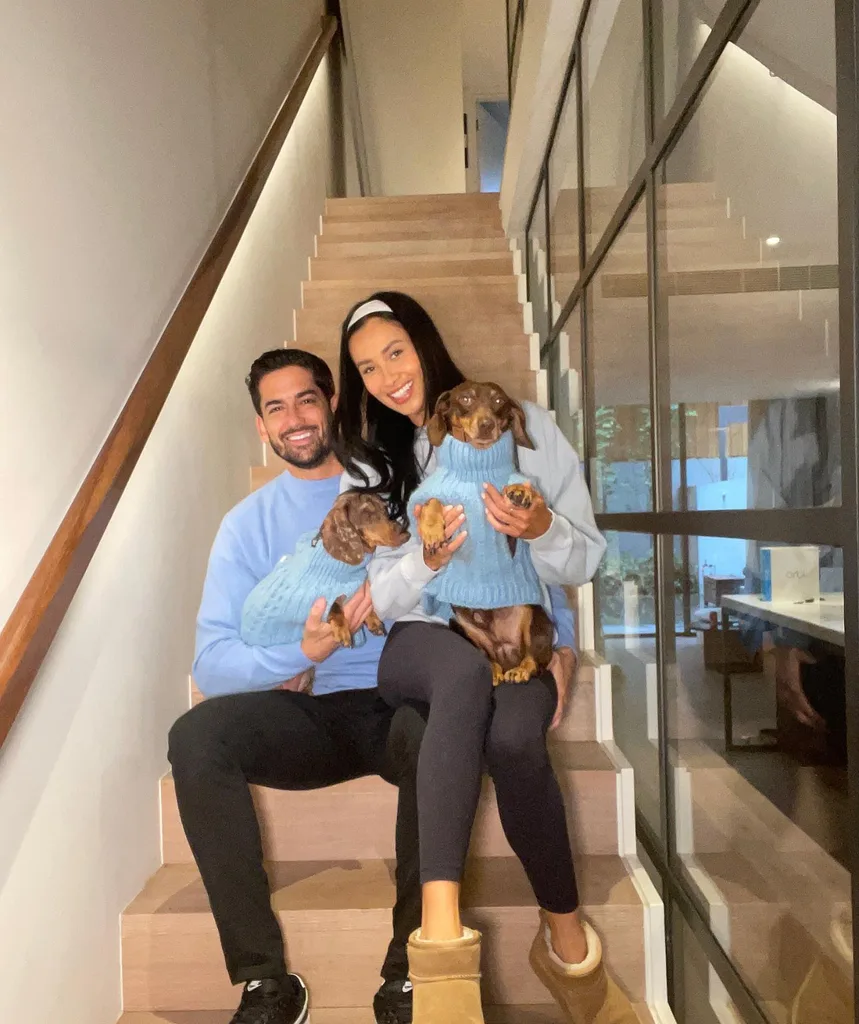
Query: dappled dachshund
point(330, 564)
point(489, 588)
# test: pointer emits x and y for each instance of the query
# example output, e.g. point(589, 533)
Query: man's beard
point(306, 457)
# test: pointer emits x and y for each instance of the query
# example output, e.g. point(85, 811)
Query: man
point(258, 729)
point(261, 726)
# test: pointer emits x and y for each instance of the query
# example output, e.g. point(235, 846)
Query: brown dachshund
point(357, 524)
point(517, 640)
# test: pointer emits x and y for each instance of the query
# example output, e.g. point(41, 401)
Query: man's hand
point(563, 668)
point(453, 520)
point(318, 642)
point(514, 521)
point(302, 683)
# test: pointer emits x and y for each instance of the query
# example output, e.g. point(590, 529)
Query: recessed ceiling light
point(773, 241)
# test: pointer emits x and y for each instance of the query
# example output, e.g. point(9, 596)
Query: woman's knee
point(513, 741)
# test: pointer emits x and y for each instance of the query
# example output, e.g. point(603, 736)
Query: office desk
point(821, 620)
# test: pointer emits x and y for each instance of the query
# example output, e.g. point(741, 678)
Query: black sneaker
point(393, 1003)
point(273, 1001)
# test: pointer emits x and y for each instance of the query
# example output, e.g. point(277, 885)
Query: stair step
point(422, 266)
point(477, 355)
point(540, 1014)
point(496, 291)
point(455, 319)
point(343, 248)
point(403, 214)
point(337, 921)
point(441, 201)
point(430, 227)
point(355, 820)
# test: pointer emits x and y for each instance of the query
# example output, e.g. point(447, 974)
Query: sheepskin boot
point(446, 979)
point(584, 991)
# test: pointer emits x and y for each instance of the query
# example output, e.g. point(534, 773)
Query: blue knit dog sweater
point(276, 610)
point(482, 573)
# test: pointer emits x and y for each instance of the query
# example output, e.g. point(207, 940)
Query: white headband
point(367, 309)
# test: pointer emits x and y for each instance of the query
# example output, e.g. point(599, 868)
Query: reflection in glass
point(564, 202)
point(618, 321)
point(749, 250)
point(613, 107)
point(625, 597)
point(565, 381)
point(757, 722)
point(538, 278)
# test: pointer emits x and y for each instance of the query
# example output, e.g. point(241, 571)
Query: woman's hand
point(514, 521)
point(454, 517)
point(563, 668)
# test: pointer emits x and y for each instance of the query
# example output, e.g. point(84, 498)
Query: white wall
point(484, 66)
point(408, 58)
point(79, 772)
point(549, 29)
point(124, 130)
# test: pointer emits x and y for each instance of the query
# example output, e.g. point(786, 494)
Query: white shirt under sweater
point(568, 553)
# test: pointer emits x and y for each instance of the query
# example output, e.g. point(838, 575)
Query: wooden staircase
point(330, 851)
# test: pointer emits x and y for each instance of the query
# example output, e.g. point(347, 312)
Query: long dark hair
point(366, 431)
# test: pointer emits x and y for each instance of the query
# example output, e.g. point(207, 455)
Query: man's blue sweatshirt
point(252, 539)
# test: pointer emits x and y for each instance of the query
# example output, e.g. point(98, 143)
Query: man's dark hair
point(278, 359)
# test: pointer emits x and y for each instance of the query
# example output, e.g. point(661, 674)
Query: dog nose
point(485, 425)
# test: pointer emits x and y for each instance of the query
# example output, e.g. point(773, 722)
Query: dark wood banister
point(27, 636)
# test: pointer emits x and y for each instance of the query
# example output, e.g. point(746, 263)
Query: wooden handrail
point(34, 622)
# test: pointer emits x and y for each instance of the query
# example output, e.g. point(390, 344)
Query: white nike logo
point(253, 984)
point(407, 986)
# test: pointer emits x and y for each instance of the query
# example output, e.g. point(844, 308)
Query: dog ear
point(517, 425)
point(438, 426)
point(340, 538)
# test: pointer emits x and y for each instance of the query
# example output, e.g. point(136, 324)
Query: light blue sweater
point(252, 539)
point(482, 573)
point(277, 608)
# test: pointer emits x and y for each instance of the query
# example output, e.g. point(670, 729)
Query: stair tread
point(323, 886)
point(572, 755)
point(370, 282)
point(540, 1013)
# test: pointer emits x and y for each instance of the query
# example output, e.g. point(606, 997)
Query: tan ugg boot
point(446, 979)
point(584, 991)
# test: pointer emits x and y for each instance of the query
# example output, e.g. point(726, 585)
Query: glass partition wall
point(691, 267)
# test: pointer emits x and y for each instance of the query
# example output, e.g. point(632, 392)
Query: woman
point(393, 367)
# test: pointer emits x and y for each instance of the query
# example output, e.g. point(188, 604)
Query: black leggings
point(470, 720)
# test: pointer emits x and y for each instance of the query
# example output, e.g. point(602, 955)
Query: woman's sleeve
point(570, 551)
point(397, 579)
point(397, 575)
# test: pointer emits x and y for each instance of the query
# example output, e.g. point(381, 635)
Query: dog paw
point(375, 625)
point(497, 674)
point(522, 495)
point(431, 526)
point(524, 671)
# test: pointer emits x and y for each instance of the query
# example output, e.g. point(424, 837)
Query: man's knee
point(198, 738)
point(404, 741)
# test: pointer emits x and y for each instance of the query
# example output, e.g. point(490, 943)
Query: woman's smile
point(403, 393)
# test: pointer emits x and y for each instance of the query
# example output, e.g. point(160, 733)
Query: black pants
point(469, 721)
point(291, 741)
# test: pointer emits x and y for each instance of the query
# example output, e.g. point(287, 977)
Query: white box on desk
point(790, 573)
